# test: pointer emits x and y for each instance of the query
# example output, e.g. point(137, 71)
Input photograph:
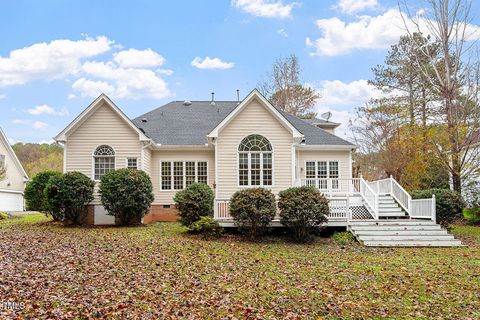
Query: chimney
point(213, 99)
point(238, 96)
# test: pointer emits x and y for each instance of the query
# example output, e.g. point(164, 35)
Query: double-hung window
point(2, 161)
point(176, 175)
point(132, 163)
point(255, 161)
point(322, 174)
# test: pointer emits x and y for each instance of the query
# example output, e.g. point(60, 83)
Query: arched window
point(104, 161)
point(255, 163)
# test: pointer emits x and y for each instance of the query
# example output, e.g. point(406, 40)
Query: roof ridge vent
point(187, 103)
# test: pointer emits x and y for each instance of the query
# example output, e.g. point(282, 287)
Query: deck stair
point(401, 233)
point(389, 208)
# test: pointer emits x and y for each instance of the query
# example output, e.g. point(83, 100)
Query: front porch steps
point(401, 233)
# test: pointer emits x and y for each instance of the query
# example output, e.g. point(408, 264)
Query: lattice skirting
point(360, 212)
point(338, 209)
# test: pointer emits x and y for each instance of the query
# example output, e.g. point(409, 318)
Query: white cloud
point(354, 6)
point(282, 33)
point(53, 60)
point(120, 82)
point(46, 141)
point(20, 121)
point(367, 32)
point(265, 8)
point(92, 88)
point(211, 63)
point(133, 58)
point(39, 125)
point(335, 93)
point(341, 98)
point(45, 109)
point(166, 72)
point(3, 96)
point(71, 96)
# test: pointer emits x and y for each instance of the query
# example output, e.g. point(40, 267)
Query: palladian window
point(255, 161)
point(104, 161)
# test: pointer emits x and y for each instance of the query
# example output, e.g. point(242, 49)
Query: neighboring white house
point(230, 145)
point(471, 172)
point(12, 186)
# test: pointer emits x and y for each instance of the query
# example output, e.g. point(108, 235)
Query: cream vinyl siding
point(105, 126)
point(14, 175)
point(166, 196)
point(343, 158)
point(147, 161)
point(253, 119)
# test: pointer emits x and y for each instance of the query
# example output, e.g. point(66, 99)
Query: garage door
point(11, 201)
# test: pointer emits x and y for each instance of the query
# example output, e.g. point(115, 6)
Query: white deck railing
point(424, 208)
point(339, 192)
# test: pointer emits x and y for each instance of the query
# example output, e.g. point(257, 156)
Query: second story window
point(2, 161)
point(132, 163)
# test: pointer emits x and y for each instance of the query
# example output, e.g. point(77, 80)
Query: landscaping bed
point(159, 271)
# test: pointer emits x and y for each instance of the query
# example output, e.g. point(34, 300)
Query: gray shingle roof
point(178, 124)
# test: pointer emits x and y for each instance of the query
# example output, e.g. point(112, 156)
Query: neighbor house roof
point(180, 123)
point(18, 164)
point(321, 122)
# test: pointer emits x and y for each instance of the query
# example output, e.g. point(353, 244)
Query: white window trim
point(184, 174)
point(316, 170)
point(272, 152)
point(131, 158)
point(93, 160)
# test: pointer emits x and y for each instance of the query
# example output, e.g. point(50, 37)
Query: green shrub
point(343, 238)
point(252, 210)
point(3, 216)
point(34, 192)
point(449, 204)
point(472, 215)
point(206, 226)
point(67, 195)
point(303, 210)
point(126, 194)
point(193, 202)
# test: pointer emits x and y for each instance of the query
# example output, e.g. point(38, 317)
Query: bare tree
point(284, 89)
point(455, 79)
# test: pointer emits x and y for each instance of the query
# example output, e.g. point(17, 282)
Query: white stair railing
point(424, 209)
point(370, 197)
point(403, 197)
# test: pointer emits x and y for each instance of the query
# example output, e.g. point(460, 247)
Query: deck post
point(348, 210)
point(434, 208)
point(215, 209)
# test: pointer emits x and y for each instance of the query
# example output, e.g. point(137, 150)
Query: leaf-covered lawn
point(158, 272)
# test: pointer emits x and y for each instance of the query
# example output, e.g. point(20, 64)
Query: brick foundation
point(159, 213)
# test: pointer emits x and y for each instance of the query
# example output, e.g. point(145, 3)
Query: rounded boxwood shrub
point(193, 202)
point(303, 210)
point(34, 192)
point(126, 194)
point(252, 210)
point(68, 194)
point(449, 203)
point(207, 227)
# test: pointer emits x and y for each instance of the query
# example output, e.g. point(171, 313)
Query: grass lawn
point(159, 272)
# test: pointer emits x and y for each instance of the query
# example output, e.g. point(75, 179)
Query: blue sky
point(56, 56)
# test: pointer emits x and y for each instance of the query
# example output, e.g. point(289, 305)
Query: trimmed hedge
point(193, 202)
point(126, 194)
point(34, 193)
point(252, 210)
point(303, 210)
point(449, 204)
point(68, 194)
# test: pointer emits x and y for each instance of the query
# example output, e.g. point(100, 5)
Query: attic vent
point(144, 120)
point(187, 103)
